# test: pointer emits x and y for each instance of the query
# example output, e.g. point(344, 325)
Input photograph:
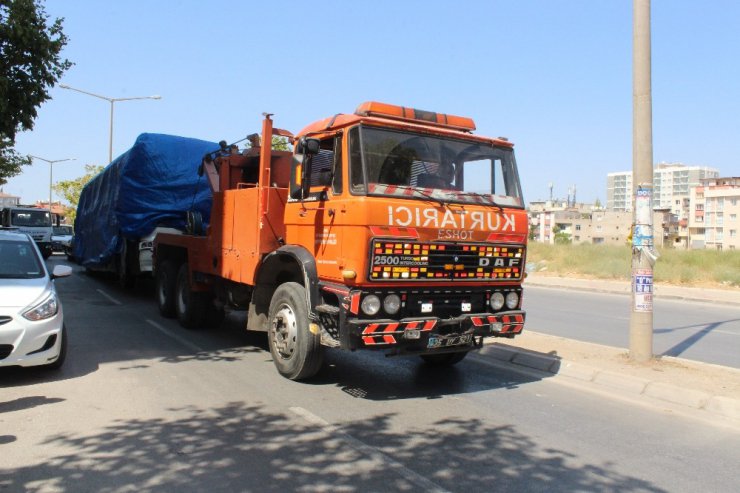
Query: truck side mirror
point(308, 146)
point(305, 150)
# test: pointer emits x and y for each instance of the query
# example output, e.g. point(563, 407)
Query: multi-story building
point(8, 200)
point(671, 185)
point(714, 221)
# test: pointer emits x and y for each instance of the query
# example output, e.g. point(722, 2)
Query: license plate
point(451, 340)
point(466, 307)
point(426, 308)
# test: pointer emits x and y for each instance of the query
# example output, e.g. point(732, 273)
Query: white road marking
point(389, 462)
point(174, 336)
point(111, 298)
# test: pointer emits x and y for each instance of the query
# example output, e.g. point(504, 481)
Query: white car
point(32, 329)
point(61, 238)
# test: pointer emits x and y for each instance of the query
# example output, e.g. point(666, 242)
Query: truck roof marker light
point(384, 110)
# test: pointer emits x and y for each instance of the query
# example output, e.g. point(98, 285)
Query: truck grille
point(420, 261)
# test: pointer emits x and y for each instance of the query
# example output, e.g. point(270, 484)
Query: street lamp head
point(156, 96)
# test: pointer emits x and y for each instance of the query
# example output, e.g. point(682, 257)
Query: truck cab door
point(318, 223)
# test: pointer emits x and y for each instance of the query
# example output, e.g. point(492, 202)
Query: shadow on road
point(681, 347)
point(251, 448)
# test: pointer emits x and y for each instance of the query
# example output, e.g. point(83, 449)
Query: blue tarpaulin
point(155, 183)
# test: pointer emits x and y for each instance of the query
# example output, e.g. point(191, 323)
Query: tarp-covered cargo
point(151, 185)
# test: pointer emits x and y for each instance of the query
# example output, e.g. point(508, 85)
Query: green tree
point(280, 143)
point(30, 65)
point(71, 189)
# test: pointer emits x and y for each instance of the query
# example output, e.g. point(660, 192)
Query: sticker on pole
point(643, 232)
point(642, 286)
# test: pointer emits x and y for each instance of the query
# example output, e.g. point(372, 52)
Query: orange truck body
point(438, 259)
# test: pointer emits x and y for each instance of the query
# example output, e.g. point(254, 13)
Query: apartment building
point(671, 185)
point(7, 200)
point(714, 221)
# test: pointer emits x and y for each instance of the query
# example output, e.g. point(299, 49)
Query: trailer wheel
point(126, 279)
point(166, 282)
point(446, 359)
point(190, 306)
point(297, 352)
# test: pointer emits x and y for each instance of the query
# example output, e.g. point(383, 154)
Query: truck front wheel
point(296, 351)
point(166, 282)
point(190, 306)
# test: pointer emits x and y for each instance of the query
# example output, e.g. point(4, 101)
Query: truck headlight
point(370, 305)
point(46, 309)
point(391, 304)
point(497, 300)
point(512, 300)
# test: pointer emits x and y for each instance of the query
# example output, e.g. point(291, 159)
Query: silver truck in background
point(35, 222)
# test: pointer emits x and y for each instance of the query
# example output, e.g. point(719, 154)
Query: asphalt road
point(143, 405)
point(699, 331)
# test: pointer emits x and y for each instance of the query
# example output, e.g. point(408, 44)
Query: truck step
point(328, 309)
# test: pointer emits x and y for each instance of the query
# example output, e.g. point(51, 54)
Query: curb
point(716, 296)
point(726, 407)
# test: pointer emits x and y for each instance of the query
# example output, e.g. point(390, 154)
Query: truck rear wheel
point(446, 359)
point(297, 352)
point(190, 306)
point(166, 282)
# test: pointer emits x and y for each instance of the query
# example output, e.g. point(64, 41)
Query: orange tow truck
point(390, 229)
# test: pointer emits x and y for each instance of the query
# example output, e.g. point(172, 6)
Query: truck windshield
point(27, 218)
point(420, 166)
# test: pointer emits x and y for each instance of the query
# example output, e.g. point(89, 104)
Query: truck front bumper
point(430, 335)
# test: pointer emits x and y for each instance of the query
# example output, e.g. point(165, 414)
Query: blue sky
point(555, 77)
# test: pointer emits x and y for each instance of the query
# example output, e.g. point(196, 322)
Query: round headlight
point(497, 301)
point(512, 300)
point(391, 304)
point(371, 304)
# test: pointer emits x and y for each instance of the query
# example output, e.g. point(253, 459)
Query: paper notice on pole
point(643, 232)
point(642, 283)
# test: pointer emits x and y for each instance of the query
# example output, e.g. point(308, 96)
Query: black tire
point(126, 279)
point(297, 352)
point(445, 359)
point(191, 306)
point(57, 363)
point(166, 282)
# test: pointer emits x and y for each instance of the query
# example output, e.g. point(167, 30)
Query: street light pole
point(51, 165)
point(111, 101)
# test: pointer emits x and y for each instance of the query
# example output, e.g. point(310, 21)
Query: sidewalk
point(709, 388)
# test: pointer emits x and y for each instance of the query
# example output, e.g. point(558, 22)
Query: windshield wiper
point(423, 191)
point(487, 196)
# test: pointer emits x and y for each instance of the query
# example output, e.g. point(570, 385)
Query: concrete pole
point(641, 320)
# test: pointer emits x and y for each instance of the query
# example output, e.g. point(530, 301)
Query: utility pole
point(643, 253)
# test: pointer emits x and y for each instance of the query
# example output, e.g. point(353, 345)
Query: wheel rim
point(284, 331)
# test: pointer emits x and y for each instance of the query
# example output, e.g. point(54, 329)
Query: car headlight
point(391, 304)
point(371, 304)
point(497, 300)
point(46, 309)
point(512, 300)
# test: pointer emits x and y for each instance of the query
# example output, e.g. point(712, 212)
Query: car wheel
point(57, 363)
point(446, 359)
point(296, 351)
point(190, 306)
point(166, 282)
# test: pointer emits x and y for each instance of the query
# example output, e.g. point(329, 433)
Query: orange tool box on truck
point(389, 229)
